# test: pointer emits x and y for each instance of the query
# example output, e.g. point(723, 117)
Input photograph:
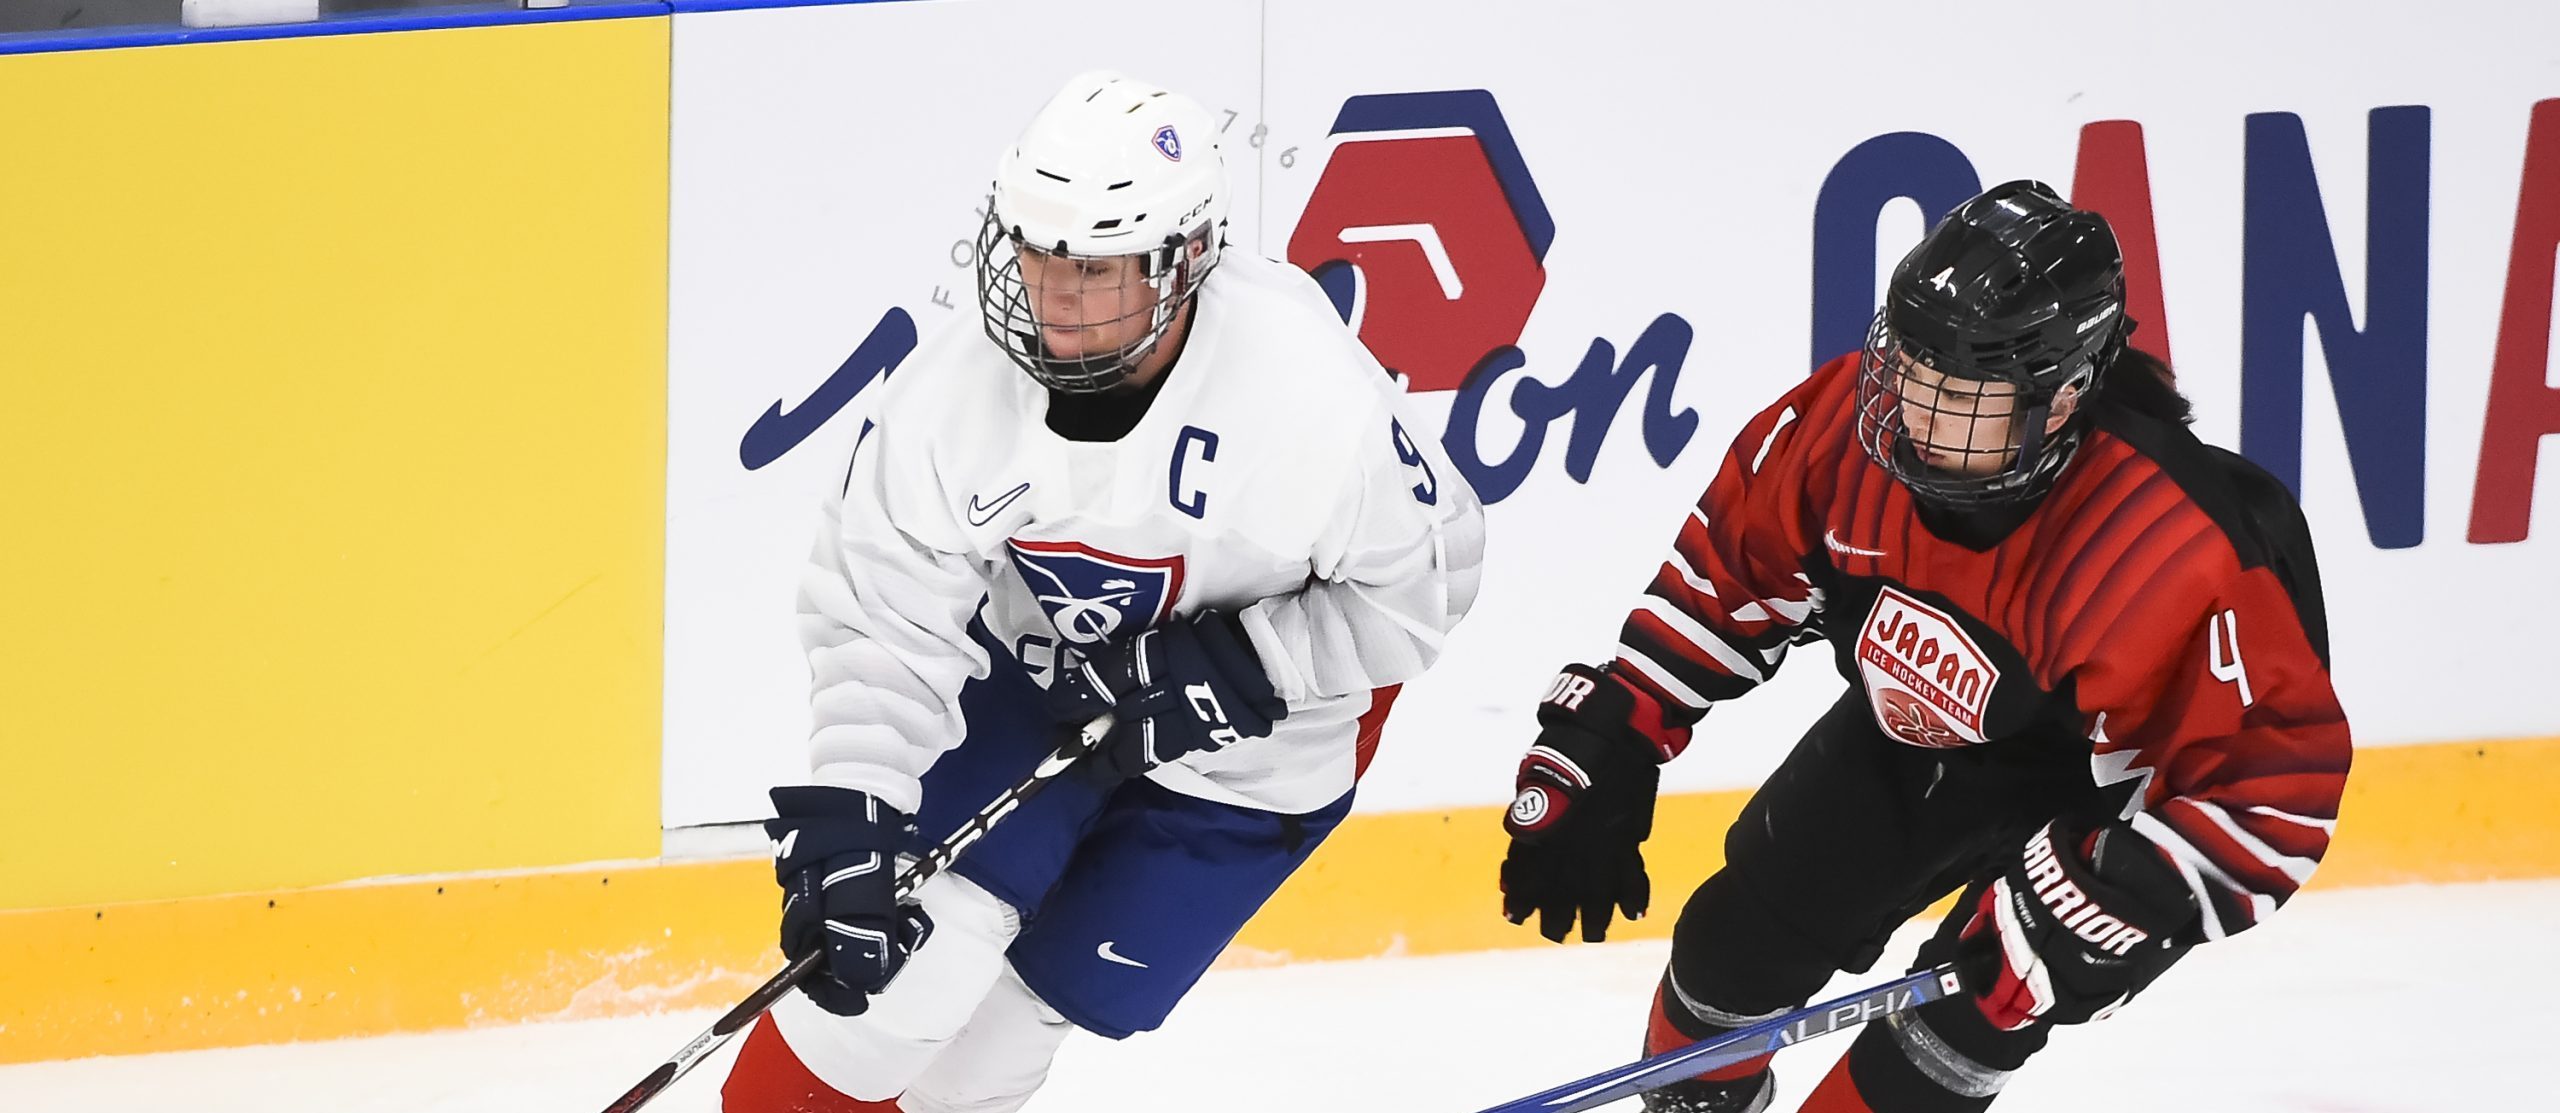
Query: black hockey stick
point(934, 861)
point(1909, 991)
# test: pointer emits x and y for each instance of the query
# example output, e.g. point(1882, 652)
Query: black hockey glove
point(2073, 927)
point(1188, 686)
point(1585, 804)
point(835, 851)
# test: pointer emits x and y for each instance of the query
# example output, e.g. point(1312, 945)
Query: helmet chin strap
point(2030, 442)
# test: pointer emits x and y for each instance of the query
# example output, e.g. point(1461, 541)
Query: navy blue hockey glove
point(1188, 686)
point(2072, 927)
point(1585, 806)
point(835, 851)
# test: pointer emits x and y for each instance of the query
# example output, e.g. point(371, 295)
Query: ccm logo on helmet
point(1193, 213)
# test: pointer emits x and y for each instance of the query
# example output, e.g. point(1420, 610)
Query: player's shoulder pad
point(1831, 389)
point(1296, 360)
point(1814, 412)
point(1290, 319)
point(1838, 373)
point(2282, 539)
point(2254, 510)
point(956, 371)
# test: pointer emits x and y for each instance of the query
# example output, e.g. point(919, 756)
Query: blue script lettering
point(1591, 397)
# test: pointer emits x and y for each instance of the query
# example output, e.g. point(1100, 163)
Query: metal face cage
point(1952, 438)
point(1101, 296)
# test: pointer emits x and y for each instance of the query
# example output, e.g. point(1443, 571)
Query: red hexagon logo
point(1427, 232)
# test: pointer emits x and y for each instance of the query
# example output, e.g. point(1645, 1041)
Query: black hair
point(2142, 383)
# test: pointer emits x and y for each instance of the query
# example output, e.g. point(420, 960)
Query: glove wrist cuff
point(1603, 704)
point(815, 823)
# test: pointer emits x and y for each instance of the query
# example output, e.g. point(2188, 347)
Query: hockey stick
point(933, 862)
point(1742, 1043)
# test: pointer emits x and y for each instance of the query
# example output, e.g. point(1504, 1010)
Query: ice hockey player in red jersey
point(2088, 672)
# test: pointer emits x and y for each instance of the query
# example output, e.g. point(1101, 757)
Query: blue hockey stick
point(1740, 1044)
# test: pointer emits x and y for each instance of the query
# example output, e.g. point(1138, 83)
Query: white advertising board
point(1669, 212)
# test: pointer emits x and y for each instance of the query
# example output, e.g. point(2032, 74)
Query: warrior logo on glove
point(2061, 935)
point(1569, 689)
point(1529, 809)
point(2080, 914)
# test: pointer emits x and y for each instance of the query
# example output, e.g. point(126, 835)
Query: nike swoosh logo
point(981, 515)
point(1108, 955)
point(1832, 539)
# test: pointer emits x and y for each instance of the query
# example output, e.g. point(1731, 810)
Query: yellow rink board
point(365, 959)
point(335, 445)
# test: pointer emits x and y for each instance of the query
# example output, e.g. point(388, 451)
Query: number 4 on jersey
point(2222, 654)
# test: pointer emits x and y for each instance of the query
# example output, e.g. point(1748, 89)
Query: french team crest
point(1092, 596)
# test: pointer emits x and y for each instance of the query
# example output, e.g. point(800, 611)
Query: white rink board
point(827, 159)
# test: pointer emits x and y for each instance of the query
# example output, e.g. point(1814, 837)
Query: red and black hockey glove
point(2073, 927)
point(1585, 806)
point(1189, 686)
point(835, 851)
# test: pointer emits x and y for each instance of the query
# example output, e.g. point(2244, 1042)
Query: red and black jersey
point(2159, 606)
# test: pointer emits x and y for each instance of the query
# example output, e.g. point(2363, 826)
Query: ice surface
point(2359, 1000)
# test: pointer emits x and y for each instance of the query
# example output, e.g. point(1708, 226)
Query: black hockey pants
point(1854, 834)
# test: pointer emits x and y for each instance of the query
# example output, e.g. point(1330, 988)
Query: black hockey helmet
point(2015, 286)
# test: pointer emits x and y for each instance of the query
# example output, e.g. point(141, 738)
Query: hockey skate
point(1700, 1095)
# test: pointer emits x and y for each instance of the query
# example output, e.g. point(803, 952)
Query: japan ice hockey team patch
point(1928, 682)
point(1092, 596)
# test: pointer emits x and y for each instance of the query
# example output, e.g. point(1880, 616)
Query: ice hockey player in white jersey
point(1157, 480)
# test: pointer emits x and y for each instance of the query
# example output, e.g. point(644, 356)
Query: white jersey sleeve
point(1392, 577)
point(885, 605)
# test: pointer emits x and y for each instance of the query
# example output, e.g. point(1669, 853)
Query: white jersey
point(1274, 476)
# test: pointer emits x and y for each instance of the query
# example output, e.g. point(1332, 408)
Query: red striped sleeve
point(1724, 604)
point(2240, 738)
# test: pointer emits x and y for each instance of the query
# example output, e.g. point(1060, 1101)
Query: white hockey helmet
point(1109, 167)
